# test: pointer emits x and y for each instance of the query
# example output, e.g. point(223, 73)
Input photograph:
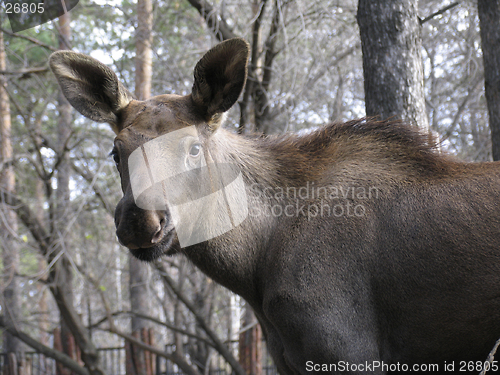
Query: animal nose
point(158, 235)
point(141, 229)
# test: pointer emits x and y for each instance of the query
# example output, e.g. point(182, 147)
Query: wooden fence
point(113, 362)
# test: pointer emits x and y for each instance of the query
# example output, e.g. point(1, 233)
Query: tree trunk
point(72, 333)
point(392, 60)
point(144, 53)
point(11, 305)
point(139, 303)
point(63, 269)
point(262, 82)
point(140, 295)
point(39, 196)
point(489, 19)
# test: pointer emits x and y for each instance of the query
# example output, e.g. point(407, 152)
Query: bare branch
point(90, 178)
point(174, 357)
point(215, 22)
point(490, 358)
point(29, 220)
point(159, 322)
point(252, 79)
point(441, 11)
point(32, 40)
point(25, 71)
point(219, 345)
point(461, 109)
point(260, 96)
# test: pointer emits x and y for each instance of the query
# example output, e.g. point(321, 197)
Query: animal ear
point(91, 87)
point(219, 77)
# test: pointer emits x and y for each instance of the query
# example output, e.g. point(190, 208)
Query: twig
point(156, 321)
point(441, 11)
point(25, 71)
point(490, 358)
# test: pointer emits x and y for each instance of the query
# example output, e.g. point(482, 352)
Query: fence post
point(11, 365)
point(250, 345)
point(136, 364)
point(147, 355)
point(152, 342)
point(158, 365)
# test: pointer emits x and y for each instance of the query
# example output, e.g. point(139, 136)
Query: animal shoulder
point(362, 143)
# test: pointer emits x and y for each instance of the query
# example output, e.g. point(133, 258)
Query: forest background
point(67, 287)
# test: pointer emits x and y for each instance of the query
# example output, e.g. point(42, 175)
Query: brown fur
point(414, 279)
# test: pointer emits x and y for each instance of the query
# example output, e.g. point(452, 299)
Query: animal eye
point(195, 149)
point(115, 156)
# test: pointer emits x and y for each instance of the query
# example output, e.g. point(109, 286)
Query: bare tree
point(11, 305)
point(264, 51)
point(140, 295)
point(63, 270)
point(489, 16)
point(392, 60)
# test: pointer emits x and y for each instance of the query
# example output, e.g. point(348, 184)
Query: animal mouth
point(167, 246)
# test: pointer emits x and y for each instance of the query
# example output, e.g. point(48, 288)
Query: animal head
point(161, 144)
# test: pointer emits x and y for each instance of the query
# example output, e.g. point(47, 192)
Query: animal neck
point(232, 259)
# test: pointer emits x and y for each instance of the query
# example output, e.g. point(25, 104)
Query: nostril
point(158, 235)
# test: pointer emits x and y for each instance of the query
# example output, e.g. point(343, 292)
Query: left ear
point(90, 86)
point(219, 78)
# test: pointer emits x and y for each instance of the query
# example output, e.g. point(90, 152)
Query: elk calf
point(360, 248)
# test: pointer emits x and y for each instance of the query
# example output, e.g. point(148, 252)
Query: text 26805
point(24, 8)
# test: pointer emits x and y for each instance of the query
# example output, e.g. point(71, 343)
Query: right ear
point(219, 78)
point(91, 87)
